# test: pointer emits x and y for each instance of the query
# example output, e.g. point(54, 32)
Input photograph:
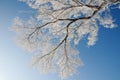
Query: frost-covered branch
point(58, 27)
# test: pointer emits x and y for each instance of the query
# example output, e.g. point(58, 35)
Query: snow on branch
point(58, 27)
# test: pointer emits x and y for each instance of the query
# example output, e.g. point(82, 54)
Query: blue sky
point(102, 61)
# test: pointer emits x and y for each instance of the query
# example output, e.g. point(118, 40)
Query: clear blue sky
point(102, 61)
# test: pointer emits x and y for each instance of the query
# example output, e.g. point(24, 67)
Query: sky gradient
point(102, 61)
